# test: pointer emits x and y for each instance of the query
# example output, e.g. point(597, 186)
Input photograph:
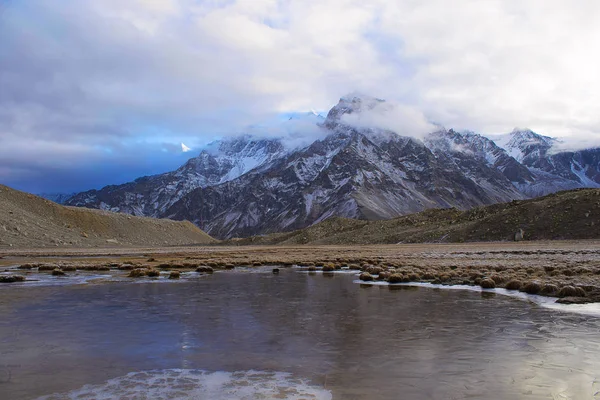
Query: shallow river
point(258, 336)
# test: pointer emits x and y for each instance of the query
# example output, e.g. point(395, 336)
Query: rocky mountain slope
point(346, 174)
point(30, 221)
point(553, 170)
point(248, 185)
point(152, 195)
point(571, 214)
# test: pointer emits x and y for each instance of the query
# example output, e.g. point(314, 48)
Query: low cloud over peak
point(367, 112)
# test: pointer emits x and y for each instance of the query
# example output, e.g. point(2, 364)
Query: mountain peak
point(359, 97)
point(522, 143)
point(370, 159)
point(354, 102)
point(522, 130)
point(526, 134)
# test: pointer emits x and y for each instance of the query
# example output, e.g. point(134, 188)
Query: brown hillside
point(571, 214)
point(30, 221)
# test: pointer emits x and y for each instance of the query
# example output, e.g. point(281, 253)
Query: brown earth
point(573, 214)
point(30, 221)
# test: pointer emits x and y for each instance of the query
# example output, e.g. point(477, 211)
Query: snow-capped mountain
point(524, 145)
point(358, 168)
point(464, 147)
point(552, 169)
point(221, 162)
point(345, 174)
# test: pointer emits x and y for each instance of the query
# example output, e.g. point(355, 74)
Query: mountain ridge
point(565, 215)
point(250, 185)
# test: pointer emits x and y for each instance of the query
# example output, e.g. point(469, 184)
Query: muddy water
point(292, 335)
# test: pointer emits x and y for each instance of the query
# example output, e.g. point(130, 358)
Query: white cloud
point(490, 65)
point(295, 130)
point(94, 72)
point(390, 116)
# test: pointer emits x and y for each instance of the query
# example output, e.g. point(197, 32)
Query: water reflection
point(383, 342)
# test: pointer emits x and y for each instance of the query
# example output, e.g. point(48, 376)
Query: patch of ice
point(592, 309)
point(47, 279)
point(38, 279)
point(185, 384)
point(343, 271)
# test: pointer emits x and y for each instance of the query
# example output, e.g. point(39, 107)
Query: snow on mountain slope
point(552, 171)
point(352, 173)
point(522, 144)
point(221, 161)
point(461, 147)
point(151, 196)
point(285, 175)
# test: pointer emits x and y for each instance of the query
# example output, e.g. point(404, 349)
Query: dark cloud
point(105, 169)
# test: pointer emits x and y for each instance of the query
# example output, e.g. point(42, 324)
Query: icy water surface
point(238, 335)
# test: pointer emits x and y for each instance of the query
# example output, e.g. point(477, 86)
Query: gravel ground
point(30, 221)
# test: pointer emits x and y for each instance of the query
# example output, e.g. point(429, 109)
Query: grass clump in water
point(513, 284)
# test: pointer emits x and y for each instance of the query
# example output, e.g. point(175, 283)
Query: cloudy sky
point(100, 92)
